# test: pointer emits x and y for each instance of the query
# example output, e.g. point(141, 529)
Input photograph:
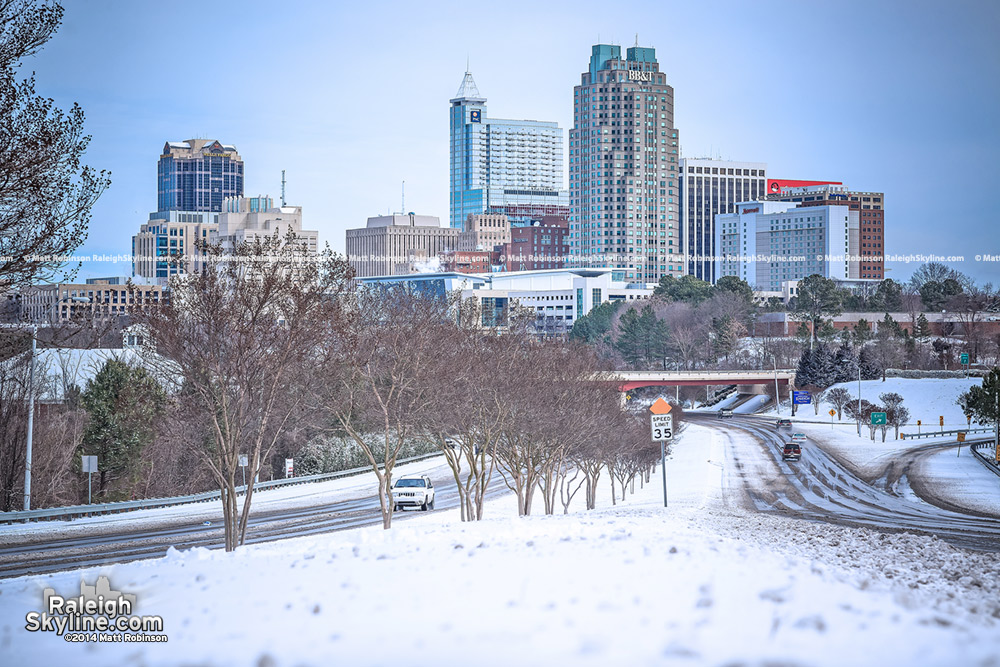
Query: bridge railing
point(72, 511)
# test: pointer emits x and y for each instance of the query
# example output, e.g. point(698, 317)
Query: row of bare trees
point(268, 345)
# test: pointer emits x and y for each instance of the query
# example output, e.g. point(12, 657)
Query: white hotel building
point(769, 244)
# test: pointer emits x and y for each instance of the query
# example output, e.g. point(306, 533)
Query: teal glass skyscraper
point(623, 167)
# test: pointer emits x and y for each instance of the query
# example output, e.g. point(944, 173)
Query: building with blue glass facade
point(197, 175)
point(510, 167)
point(623, 167)
point(194, 178)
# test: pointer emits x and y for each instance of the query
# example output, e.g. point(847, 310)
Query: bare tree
point(238, 338)
point(382, 376)
point(838, 397)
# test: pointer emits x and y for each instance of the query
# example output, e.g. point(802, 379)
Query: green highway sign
point(964, 358)
point(878, 418)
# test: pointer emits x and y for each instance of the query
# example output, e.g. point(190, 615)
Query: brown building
point(544, 244)
point(484, 231)
point(871, 217)
point(468, 261)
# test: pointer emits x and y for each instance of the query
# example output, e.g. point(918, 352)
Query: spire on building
point(468, 89)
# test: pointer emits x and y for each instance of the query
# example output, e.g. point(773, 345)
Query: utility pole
point(282, 187)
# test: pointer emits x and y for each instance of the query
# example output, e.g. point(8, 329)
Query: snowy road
point(39, 552)
point(820, 487)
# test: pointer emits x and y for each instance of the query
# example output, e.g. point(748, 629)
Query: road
point(819, 487)
point(36, 554)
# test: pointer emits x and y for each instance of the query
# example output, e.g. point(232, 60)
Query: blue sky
point(351, 98)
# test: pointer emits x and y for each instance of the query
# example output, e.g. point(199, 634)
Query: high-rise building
point(623, 172)
point(167, 244)
point(769, 243)
point(707, 188)
point(510, 167)
point(194, 178)
point(198, 175)
point(870, 207)
point(392, 245)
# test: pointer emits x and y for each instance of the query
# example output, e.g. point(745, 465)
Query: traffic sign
point(660, 407)
point(961, 436)
point(88, 464)
point(661, 427)
point(941, 420)
point(833, 412)
point(801, 397)
point(878, 418)
point(964, 358)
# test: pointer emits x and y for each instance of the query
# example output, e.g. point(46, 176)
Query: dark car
point(725, 412)
point(784, 423)
point(791, 452)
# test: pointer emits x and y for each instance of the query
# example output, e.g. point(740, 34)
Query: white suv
point(413, 491)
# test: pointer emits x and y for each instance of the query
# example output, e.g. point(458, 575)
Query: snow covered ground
point(700, 582)
point(280, 498)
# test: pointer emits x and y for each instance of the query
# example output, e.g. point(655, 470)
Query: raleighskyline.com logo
point(97, 614)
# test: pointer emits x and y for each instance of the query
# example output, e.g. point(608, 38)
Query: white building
point(557, 297)
point(707, 188)
point(768, 243)
point(250, 218)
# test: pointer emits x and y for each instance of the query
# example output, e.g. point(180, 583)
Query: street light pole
point(777, 397)
point(859, 399)
point(31, 418)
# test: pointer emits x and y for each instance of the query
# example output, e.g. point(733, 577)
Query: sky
point(351, 99)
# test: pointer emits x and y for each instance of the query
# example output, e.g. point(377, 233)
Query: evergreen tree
point(889, 327)
point(122, 403)
point(630, 343)
point(824, 370)
point(870, 368)
point(724, 339)
point(922, 331)
point(846, 364)
point(595, 325)
point(862, 332)
point(804, 372)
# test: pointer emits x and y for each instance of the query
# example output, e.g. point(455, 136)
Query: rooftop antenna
point(282, 187)
point(637, 40)
point(402, 198)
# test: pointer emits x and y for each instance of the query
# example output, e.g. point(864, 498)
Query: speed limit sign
point(661, 427)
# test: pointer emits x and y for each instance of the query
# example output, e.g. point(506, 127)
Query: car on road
point(784, 423)
point(413, 491)
point(799, 437)
point(725, 412)
point(791, 452)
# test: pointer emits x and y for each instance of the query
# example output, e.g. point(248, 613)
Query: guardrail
point(988, 462)
point(69, 511)
point(938, 434)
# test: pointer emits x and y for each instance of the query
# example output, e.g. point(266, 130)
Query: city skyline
point(322, 101)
